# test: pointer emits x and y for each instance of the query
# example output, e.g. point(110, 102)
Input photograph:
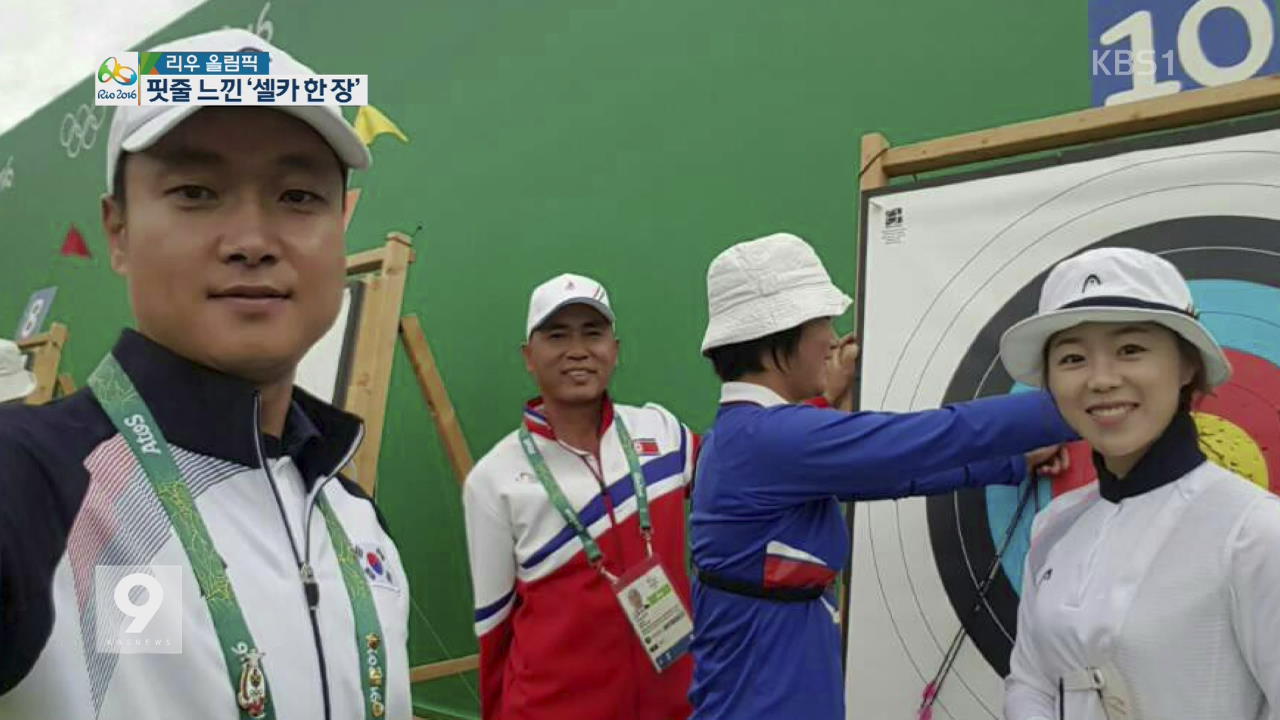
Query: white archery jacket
point(1159, 602)
point(73, 499)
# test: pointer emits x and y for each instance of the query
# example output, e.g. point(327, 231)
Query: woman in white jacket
point(1153, 593)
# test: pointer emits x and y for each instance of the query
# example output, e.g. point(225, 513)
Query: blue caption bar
point(205, 63)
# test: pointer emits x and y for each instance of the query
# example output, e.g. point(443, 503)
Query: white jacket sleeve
point(492, 553)
point(1029, 694)
point(1255, 595)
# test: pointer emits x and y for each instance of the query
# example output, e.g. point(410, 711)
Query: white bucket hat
point(136, 128)
point(16, 382)
point(763, 286)
point(562, 290)
point(1112, 285)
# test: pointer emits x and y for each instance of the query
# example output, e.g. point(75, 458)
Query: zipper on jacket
point(310, 589)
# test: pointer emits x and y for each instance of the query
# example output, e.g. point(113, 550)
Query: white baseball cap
point(562, 290)
point(1112, 285)
point(16, 382)
point(135, 128)
point(763, 286)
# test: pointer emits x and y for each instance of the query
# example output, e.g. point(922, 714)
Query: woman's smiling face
point(1118, 385)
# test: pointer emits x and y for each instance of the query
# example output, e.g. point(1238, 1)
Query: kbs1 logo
point(116, 82)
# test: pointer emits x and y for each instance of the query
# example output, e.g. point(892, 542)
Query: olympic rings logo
point(80, 129)
point(111, 69)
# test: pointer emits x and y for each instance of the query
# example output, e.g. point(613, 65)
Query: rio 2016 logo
point(112, 69)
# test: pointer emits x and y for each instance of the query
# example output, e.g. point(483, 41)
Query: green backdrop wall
point(631, 140)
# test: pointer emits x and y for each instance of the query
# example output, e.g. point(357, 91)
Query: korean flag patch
point(376, 567)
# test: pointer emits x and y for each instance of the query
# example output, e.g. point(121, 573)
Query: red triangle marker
point(74, 245)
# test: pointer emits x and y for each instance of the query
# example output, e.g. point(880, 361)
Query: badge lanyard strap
point(561, 503)
point(130, 415)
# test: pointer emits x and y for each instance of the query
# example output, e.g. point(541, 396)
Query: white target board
point(948, 265)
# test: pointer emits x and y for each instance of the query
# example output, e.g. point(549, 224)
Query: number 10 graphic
point(1141, 49)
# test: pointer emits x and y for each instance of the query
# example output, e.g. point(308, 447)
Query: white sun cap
point(1111, 285)
point(763, 286)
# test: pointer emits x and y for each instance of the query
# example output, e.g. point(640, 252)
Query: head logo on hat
point(1091, 281)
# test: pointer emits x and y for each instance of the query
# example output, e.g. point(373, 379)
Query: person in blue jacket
point(767, 533)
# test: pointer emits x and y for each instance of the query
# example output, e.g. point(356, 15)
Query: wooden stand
point(437, 397)
point(455, 446)
point(46, 356)
point(383, 271)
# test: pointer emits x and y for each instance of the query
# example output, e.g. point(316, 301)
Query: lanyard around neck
point(130, 415)
point(561, 503)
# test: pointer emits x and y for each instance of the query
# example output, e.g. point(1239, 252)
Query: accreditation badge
point(657, 614)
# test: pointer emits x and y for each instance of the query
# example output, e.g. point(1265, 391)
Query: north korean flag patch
point(646, 446)
point(376, 566)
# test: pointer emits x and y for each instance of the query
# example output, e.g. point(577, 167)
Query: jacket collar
point(537, 422)
point(1174, 454)
point(745, 392)
point(211, 413)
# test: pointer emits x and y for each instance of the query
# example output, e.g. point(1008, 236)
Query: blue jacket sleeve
point(1010, 470)
point(814, 453)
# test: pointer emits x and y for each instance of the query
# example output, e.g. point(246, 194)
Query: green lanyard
point(561, 503)
point(132, 418)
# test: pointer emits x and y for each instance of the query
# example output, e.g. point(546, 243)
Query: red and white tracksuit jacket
point(554, 642)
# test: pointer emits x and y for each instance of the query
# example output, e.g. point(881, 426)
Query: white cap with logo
point(1111, 285)
point(16, 382)
point(563, 290)
point(763, 286)
point(136, 128)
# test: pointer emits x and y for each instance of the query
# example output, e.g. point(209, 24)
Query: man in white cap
point(575, 530)
point(176, 539)
point(767, 534)
point(16, 382)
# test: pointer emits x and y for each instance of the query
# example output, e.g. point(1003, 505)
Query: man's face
point(572, 355)
point(232, 240)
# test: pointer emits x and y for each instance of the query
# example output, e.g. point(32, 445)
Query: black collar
point(1174, 454)
point(299, 431)
point(211, 413)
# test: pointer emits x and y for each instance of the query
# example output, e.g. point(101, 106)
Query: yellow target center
point(1228, 446)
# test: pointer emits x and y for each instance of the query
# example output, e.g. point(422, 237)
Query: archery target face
point(948, 268)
